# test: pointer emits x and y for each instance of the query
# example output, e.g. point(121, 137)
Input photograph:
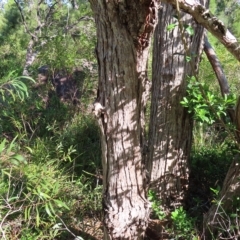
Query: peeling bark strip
point(215, 26)
point(170, 130)
point(124, 29)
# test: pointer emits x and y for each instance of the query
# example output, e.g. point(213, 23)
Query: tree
point(222, 219)
point(170, 129)
point(124, 32)
point(13, 40)
point(51, 20)
point(43, 13)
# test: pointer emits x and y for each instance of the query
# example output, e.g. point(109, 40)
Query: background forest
point(50, 153)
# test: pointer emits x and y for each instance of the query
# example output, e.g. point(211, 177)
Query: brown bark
point(170, 133)
point(215, 26)
point(123, 31)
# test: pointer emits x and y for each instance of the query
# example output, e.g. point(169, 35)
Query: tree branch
point(216, 65)
point(38, 13)
point(222, 80)
point(50, 11)
point(23, 19)
point(215, 26)
point(85, 18)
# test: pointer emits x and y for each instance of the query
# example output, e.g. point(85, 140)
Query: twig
point(66, 226)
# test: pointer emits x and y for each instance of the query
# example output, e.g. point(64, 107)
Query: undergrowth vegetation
point(50, 163)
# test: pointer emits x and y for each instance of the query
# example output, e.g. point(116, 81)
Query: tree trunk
point(170, 132)
point(30, 57)
point(123, 32)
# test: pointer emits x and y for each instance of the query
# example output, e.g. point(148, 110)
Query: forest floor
point(92, 229)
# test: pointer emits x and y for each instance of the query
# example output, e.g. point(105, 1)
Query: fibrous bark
point(123, 31)
point(170, 133)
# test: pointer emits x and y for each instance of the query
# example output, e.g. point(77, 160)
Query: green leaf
point(27, 213)
point(48, 210)
point(190, 30)
point(188, 58)
point(52, 209)
point(14, 161)
point(185, 99)
point(9, 149)
point(20, 158)
point(29, 149)
point(171, 26)
point(25, 77)
point(44, 195)
point(61, 204)
point(2, 145)
point(37, 217)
